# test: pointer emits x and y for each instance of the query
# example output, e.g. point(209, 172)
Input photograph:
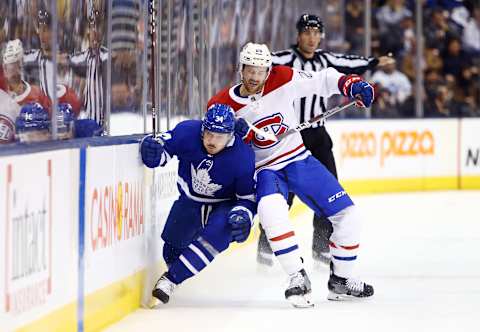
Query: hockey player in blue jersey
point(216, 184)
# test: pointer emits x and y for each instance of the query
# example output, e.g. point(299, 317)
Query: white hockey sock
point(344, 242)
point(273, 213)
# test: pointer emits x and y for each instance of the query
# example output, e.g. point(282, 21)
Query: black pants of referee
point(318, 141)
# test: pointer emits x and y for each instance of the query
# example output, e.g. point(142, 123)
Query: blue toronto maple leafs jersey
point(205, 178)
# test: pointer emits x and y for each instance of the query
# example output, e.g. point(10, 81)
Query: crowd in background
point(195, 64)
point(451, 48)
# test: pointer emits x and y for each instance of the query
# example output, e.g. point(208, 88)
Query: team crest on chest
point(201, 181)
point(272, 124)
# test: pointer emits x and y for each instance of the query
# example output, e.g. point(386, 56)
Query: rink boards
point(81, 223)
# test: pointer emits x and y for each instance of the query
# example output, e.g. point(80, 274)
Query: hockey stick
point(316, 119)
point(264, 134)
point(153, 36)
point(272, 137)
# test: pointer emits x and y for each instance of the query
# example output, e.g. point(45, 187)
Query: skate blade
point(299, 301)
point(332, 296)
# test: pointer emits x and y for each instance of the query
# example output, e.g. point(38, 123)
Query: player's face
point(12, 72)
point(253, 78)
point(215, 142)
point(309, 40)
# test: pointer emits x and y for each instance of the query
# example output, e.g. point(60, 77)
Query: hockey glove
point(240, 221)
point(354, 86)
point(151, 150)
point(243, 130)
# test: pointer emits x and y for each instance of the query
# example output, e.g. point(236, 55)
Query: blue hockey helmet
point(220, 118)
point(32, 117)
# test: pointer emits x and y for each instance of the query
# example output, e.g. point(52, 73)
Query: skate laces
point(296, 280)
point(165, 285)
point(355, 285)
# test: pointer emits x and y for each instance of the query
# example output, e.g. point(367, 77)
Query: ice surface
point(419, 250)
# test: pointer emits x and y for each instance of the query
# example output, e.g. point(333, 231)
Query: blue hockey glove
point(87, 128)
point(241, 128)
point(151, 150)
point(241, 222)
point(354, 87)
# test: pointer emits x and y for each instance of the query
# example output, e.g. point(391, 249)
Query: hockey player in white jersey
point(305, 55)
point(265, 98)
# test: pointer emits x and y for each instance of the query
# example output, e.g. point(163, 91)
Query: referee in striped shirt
point(38, 63)
point(92, 64)
point(306, 56)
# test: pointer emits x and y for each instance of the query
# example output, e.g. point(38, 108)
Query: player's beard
point(253, 87)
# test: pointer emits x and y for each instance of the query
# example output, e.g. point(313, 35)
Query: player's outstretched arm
point(323, 83)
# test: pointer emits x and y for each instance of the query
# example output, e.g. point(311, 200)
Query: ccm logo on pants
point(337, 195)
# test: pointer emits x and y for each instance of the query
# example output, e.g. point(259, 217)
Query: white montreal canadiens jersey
point(273, 111)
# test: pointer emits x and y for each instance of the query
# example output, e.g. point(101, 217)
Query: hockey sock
point(193, 259)
point(344, 242)
point(273, 213)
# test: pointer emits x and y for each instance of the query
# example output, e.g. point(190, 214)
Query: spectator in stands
point(471, 33)
point(125, 67)
point(439, 29)
point(432, 79)
point(336, 39)
point(444, 105)
point(384, 106)
point(391, 14)
point(355, 29)
point(389, 17)
point(394, 81)
point(457, 63)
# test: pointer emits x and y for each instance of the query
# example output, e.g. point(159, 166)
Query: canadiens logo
point(273, 124)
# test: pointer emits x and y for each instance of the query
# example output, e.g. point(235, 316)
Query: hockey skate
point(299, 290)
point(347, 288)
point(163, 289)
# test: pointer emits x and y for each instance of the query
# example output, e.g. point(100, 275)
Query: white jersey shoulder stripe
point(283, 157)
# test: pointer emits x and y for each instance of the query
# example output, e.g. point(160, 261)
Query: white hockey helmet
point(13, 52)
point(256, 55)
